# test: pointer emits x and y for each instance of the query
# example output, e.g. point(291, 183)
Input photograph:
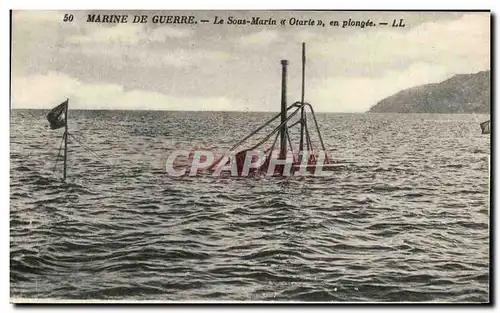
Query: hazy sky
point(229, 67)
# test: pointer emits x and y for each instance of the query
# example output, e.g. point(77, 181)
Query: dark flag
point(56, 116)
point(485, 127)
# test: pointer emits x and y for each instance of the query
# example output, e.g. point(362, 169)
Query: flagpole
point(65, 139)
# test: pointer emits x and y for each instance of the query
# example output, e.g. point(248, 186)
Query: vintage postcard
point(250, 156)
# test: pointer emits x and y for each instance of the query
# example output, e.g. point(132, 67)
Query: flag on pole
point(56, 116)
point(485, 127)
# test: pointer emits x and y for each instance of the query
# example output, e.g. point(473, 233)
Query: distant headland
point(462, 93)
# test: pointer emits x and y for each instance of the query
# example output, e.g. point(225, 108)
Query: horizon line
point(275, 112)
point(164, 110)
